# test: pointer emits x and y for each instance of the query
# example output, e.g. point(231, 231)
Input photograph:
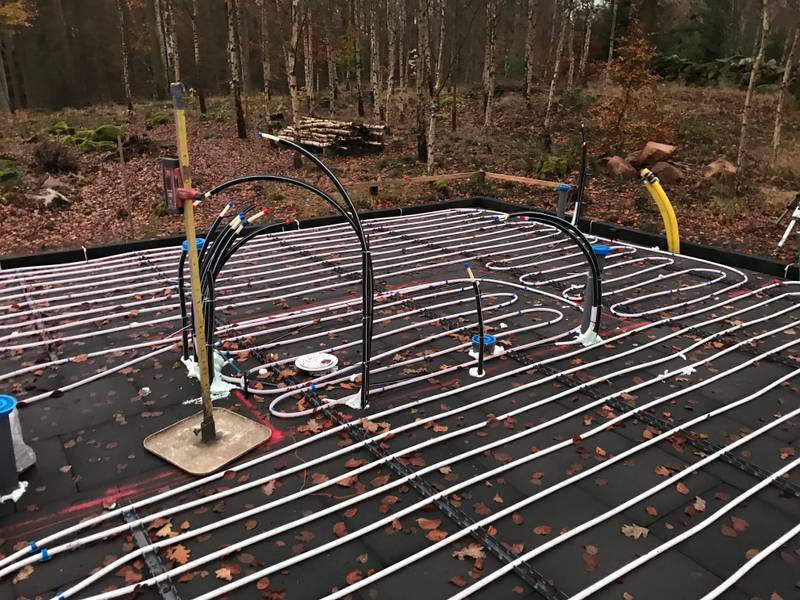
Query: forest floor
point(112, 202)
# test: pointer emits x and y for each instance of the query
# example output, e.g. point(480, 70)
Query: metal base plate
point(179, 445)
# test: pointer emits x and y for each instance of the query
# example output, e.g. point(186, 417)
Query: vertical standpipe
point(564, 190)
point(600, 252)
point(8, 463)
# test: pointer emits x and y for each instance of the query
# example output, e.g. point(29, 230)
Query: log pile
point(342, 136)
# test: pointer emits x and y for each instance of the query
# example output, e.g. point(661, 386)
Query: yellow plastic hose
point(653, 186)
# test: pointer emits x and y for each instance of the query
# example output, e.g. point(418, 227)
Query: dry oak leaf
point(681, 488)
point(699, 504)
point(635, 531)
point(339, 529)
point(474, 551)
point(23, 574)
point(542, 530)
point(166, 531)
point(180, 554)
point(224, 573)
point(262, 584)
point(458, 581)
point(352, 577)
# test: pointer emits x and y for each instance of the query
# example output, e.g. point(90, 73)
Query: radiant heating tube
point(702, 383)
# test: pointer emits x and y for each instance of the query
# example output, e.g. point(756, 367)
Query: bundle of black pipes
point(219, 248)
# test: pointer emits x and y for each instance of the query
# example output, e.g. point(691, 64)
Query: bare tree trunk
point(489, 62)
point(554, 22)
point(354, 23)
point(65, 48)
point(171, 39)
point(402, 58)
point(787, 77)
point(5, 99)
point(437, 89)
point(266, 67)
point(423, 90)
point(375, 63)
point(290, 55)
point(126, 76)
point(614, 6)
point(571, 46)
point(198, 68)
point(391, 21)
point(530, 48)
point(333, 78)
point(754, 73)
point(308, 64)
point(556, 66)
point(587, 41)
point(235, 64)
point(243, 43)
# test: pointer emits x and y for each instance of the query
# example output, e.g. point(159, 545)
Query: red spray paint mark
point(277, 434)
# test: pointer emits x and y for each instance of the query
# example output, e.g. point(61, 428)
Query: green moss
point(107, 133)
point(61, 128)
point(160, 209)
point(85, 146)
point(156, 118)
point(9, 175)
point(553, 166)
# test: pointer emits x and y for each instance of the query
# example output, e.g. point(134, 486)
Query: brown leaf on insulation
point(428, 524)
point(180, 554)
point(473, 551)
point(436, 534)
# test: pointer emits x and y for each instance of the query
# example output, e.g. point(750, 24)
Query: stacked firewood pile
point(342, 136)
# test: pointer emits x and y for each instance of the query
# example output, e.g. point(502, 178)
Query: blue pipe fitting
point(198, 241)
point(7, 404)
point(489, 342)
point(601, 250)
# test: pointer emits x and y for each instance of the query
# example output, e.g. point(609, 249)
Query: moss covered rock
point(553, 166)
point(107, 133)
point(61, 128)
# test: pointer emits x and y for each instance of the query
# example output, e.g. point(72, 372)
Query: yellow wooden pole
point(207, 427)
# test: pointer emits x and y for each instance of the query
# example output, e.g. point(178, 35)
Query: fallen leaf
point(542, 530)
point(180, 554)
point(699, 504)
point(428, 524)
point(352, 577)
point(436, 534)
point(751, 553)
point(250, 525)
point(635, 531)
point(458, 581)
point(340, 529)
point(23, 574)
point(474, 551)
point(262, 584)
point(739, 524)
point(681, 488)
point(224, 574)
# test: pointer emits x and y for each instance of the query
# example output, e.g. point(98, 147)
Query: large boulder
point(666, 172)
point(720, 169)
point(652, 153)
point(619, 168)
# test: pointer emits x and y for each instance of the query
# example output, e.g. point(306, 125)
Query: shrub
point(156, 118)
point(55, 158)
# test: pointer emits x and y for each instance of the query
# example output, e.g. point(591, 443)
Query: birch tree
point(308, 62)
point(423, 90)
point(614, 6)
point(437, 88)
point(402, 58)
point(235, 64)
point(123, 40)
point(198, 65)
point(392, 33)
point(787, 77)
point(748, 99)
point(266, 67)
point(556, 66)
point(356, 31)
point(489, 67)
point(171, 39)
point(290, 56)
point(587, 41)
point(530, 48)
point(571, 45)
point(375, 62)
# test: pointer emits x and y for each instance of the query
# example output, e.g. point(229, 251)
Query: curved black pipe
point(576, 236)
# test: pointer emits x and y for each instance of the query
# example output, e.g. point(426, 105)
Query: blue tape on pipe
point(563, 187)
point(7, 404)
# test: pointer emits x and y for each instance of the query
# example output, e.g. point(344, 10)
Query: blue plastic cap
point(563, 187)
point(230, 203)
point(7, 404)
point(601, 249)
point(198, 241)
point(487, 339)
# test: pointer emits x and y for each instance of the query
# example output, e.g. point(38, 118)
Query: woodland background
point(461, 85)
